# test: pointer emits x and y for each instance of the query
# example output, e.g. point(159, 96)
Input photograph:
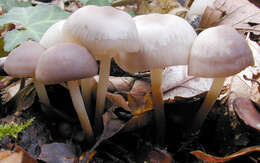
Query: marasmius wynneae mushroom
point(105, 31)
point(21, 63)
point(217, 52)
point(165, 40)
point(69, 62)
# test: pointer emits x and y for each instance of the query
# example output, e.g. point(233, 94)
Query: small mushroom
point(105, 31)
point(53, 36)
point(21, 63)
point(69, 62)
point(217, 52)
point(165, 40)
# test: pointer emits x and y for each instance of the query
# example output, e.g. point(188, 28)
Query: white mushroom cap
point(54, 35)
point(22, 61)
point(219, 52)
point(103, 30)
point(65, 62)
point(165, 40)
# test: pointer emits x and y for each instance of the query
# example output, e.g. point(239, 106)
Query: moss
point(13, 129)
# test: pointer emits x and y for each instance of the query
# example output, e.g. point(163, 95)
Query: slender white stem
point(80, 109)
point(87, 85)
point(158, 105)
point(101, 91)
point(41, 92)
point(208, 102)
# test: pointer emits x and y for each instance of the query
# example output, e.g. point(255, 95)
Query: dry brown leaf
point(13, 158)
point(27, 158)
point(210, 18)
point(176, 82)
point(239, 14)
point(137, 93)
point(247, 112)
point(119, 84)
point(159, 156)
point(18, 155)
point(118, 100)
point(213, 159)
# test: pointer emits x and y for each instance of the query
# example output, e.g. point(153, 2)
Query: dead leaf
point(57, 153)
point(18, 155)
point(13, 157)
point(240, 14)
point(137, 93)
point(118, 84)
point(118, 100)
point(176, 82)
point(112, 125)
point(27, 158)
point(210, 18)
point(247, 112)
point(159, 156)
point(213, 159)
point(25, 98)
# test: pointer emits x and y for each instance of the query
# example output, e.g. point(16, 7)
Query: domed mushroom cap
point(165, 40)
point(103, 30)
point(219, 52)
point(54, 35)
point(22, 61)
point(65, 62)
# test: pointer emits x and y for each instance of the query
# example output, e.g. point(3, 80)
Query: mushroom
point(217, 52)
point(21, 63)
point(68, 62)
point(165, 40)
point(53, 36)
point(105, 31)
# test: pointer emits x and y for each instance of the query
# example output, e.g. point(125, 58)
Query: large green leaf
point(8, 4)
point(97, 2)
point(33, 20)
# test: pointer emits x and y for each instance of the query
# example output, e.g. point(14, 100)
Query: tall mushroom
point(217, 52)
point(68, 62)
point(165, 40)
point(21, 63)
point(105, 31)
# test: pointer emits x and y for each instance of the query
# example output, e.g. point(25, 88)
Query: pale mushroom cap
point(65, 62)
point(22, 61)
point(103, 30)
point(165, 40)
point(54, 35)
point(219, 52)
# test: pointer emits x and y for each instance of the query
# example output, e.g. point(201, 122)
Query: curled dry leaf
point(176, 82)
point(118, 84)
point(247, 112)
point(241, 14)
point(213, 159)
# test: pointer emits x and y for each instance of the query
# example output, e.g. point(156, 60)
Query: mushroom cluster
point(145, 43)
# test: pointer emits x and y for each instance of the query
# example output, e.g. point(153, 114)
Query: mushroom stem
point(80, 109)
point(87, 85)
point(158, 105)
point(41, 92)
point(208, 102)
point(101, 91)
